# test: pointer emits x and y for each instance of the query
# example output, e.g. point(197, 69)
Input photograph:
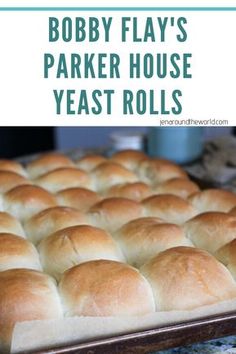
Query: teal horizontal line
point(117, 8)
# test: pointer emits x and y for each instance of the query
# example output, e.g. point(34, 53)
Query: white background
point(26, 97)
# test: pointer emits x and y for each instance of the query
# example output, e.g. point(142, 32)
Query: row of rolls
point(128, 235)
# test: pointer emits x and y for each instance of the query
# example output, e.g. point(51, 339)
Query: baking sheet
point(41, 335)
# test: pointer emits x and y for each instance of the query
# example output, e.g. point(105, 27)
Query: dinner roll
point(108, 174)
point(12, 166)
point(183, 278)
point(46, 163)
point(211, 230)
point(233, 211)
point(9, 180)
point(63, 178)
point(143, 238)
point(182, 187)
point(111, 213)
point(227, 255)
point(25, 201)
point(16, 252)
point(89, 162)
point(77, 244)
point(213, 200)
point(169, 208)
point(25, 295)
point(136, 191)
point(51, 220)
point(78, 198)
point(129, 158)
point(105, 288)
point(155, 171)
point(9, 224)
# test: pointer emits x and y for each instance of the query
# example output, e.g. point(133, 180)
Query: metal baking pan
point(170, 336)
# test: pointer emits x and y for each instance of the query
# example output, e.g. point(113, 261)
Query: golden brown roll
point(213, 200)
point(182, 187)
point(51, 220)
point(143, 238)
point(25, 201)
point(211, 230)
point(25, 295)
point(108, 174)
point(16, 252)
point(89, 162)
point(184, 278)
point(129, 158)
point(227, 255)
point(155, 171)
point(9, 180)
point(12, 166)
point(111, 213)
point(74, 245)
point(9, 224)
point(105, 288)
point(46, 163)
point(169, 207)
point(78, 198)
point(64, 178)
point(233, 211)
point(136, 191)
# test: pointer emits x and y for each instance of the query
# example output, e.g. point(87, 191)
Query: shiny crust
point(129, 158)
point(63, 178)
point(169, 207)
point(213, 200)
point(47, 162)
point(108, 174)
point(78, 198)
point(143, 238)
point(105, 288)
point(180, 187)
point(51, 220)
point(12, 166)
point(16, 252)
point(74, 245)
point(26, 295)
point(25, 201)
point(10, 180)
point(89, 162)
point(184, 278)
point(135, 191)
point(111, 213)
point(211, 230)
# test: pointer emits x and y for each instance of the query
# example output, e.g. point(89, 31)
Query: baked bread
point(78, 198)
point(105, 288)
point(89, 162)
point(9, 224)
point(184, 278)
point(108, 174)
point(129, 158)
point(26, 201)
point(155, 171)
point(111, 213)
point(213, 200)
point(136, 191)
point(25, 295)
point(12, 166)
point(143, 238)
point(182, 187)
point(63, 178)
point(51, 220)
point(16, 252)
point(46, 163)
point(169, 207)
point(9, 180)
point(211, 230)
point(74, 245)
point(227, 256)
